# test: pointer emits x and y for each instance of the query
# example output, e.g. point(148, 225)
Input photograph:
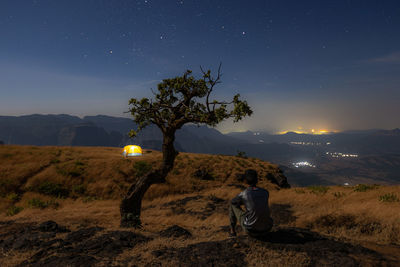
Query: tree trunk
point(131, 205)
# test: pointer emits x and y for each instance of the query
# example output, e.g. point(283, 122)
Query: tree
point(178, 101)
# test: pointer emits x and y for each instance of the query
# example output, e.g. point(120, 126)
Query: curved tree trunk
point(131, 204)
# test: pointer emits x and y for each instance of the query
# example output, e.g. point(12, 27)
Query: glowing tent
point(132, 151)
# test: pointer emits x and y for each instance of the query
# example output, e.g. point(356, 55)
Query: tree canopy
point(185, 99)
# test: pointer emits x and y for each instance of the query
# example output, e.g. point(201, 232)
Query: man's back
point(257, 216)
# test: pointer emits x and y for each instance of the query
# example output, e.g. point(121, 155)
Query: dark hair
point(250, 176)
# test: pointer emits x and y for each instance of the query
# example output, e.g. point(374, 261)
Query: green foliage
point(241, 154)
point(141, 168)
point(185, 99)
point(54, 161)
point(13, 210)
point(13, 196)
point(6, 156)
point(364, 187)
point(79, 189)
point(52, 189)
point(318, 189)
point(75, 170)
point(390, 197)
point(38, 203)
point(7, 186)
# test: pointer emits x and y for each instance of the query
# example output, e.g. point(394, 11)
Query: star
point(110, 52)
point(243, 33)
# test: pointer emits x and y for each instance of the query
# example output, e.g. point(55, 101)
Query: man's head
point(250, 177)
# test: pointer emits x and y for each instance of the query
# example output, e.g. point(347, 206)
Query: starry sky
point(310, 64)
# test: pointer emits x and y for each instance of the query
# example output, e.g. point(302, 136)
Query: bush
point(318, 189)
point(13, 210)
point(37, 203)
point(79, 189)
point(339, 194)
point(364, 187)
point(389, 198)
point(241, 154)
point(54, 161)
point(13, 197)
point(52, 189)
point(75, 170)
point(141, 168)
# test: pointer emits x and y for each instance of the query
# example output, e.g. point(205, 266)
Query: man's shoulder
point(255, 188)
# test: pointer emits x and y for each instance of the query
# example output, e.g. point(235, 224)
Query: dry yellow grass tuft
point(87, 184)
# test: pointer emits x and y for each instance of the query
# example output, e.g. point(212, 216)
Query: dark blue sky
point(310, 64)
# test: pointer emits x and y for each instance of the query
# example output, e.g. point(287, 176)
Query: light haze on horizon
point(332, 65)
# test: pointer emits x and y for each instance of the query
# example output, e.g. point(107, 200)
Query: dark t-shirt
point(257, 215)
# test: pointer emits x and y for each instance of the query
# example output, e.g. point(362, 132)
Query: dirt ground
point(51, 239)
point(60, 207)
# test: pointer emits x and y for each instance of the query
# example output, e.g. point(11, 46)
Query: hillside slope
point(60, 206)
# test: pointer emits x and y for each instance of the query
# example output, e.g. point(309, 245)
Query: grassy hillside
point(80, 188)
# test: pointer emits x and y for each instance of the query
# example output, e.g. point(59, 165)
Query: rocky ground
point(51, 244)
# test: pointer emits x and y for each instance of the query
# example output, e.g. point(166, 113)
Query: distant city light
point(341, 155)
point(303, 164)
point(312, 131)
point(305, 143)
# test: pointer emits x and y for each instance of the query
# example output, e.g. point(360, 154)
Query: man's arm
point(238, 200)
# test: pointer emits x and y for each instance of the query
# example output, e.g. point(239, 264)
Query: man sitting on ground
point(255, 220)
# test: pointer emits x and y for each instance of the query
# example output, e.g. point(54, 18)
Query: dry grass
point(96, 179)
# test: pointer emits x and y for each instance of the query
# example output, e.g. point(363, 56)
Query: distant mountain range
point(285, 149)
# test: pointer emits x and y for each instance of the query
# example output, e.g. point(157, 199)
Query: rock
point(175, 231)
point(82, 234)
point(51, 226)
point(278, 179)
point(216, 253)
point(69, 260)
point(109, 245)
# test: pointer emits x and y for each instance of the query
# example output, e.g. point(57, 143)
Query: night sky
point(323, 64)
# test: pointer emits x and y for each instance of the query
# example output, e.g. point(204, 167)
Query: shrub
point(364, 187)
point(141, 168)
point(52, 189)
point(13, 210)
point(79, 163)
point(75, 170)
point(54, 161)
point(339, 194)
point(391, 197)
point(241, 154)
point(79, 189)
point(37, 203)
point(13, 196)
point(318, 189)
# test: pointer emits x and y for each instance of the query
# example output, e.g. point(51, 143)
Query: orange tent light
point(132, 151)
